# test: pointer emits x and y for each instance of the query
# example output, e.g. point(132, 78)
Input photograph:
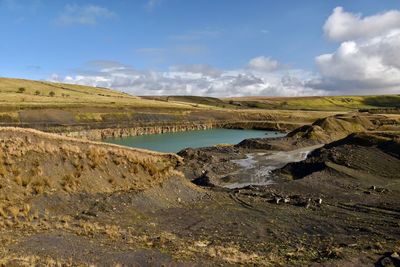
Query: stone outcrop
point(98, 134)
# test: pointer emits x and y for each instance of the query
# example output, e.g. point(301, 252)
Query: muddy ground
point(339, 205)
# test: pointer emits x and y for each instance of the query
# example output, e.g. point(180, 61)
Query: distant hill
point(22, 93)
point(28, 93)
point(346, 103)
point(53, 106)
point(194, 100)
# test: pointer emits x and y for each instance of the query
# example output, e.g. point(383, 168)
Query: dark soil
point(338, 207)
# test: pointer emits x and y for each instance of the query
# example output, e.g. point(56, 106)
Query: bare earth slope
point(70, 202)
point(51, 186)
point(346, 192)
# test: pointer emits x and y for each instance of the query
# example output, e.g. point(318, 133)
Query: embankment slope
point(33, 162)
point(326, 130)
point(66, 201)
point(361, 159)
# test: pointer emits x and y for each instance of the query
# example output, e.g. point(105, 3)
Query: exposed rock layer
point(98, 134)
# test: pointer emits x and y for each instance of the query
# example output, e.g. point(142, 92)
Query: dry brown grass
point(33, 163)
point(234, 255)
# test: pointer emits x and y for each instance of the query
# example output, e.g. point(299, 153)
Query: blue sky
point(43, 39)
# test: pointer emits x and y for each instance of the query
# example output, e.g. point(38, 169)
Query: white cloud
point(263, 64)
point(365, 62)
point(195, 80)
point(368, 59)
point(342, 26)
point(83, 15)
point(201, 69)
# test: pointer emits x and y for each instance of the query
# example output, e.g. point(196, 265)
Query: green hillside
point(194, 100)
point(318, 102)
point(28, 93)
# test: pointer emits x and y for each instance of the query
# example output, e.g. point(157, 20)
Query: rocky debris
point(256, 143)
point(372, 153)
point(274, 198)
point(206, 179)
point(307, 204)
point(392, 260)
point(215, 159)
point(395, 256)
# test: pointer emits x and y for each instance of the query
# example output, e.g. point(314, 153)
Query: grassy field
point(195, 101)
point(345, 103)
point(39, 104)
point(27, 93)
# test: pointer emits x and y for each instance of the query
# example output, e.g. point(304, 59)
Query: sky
point(208, 47)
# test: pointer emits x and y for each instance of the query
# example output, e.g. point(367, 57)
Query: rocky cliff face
point(98, 134)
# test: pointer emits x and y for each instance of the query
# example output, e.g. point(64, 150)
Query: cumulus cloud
point(83, 15)
point(367, 61)
point(202, 69)
point(368, 58)
point(195, 80)
point(341, 25)
point(263, 64)
point(374, 62)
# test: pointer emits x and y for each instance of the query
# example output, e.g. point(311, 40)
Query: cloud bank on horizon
point(367, 58)
point(361, 52)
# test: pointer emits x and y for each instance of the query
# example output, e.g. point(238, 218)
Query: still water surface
point(174, 142)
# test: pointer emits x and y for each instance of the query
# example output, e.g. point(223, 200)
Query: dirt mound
point(201, 162)
point(333, 128)
point(325, 130)
point(33, 163)
point(372, 158)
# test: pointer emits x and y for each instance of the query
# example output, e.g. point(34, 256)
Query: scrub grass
point(34, 163)
point(345, 103)
point(40, 94)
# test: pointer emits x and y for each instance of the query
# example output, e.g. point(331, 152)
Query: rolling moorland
point(94, 113)
point(74, 202)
